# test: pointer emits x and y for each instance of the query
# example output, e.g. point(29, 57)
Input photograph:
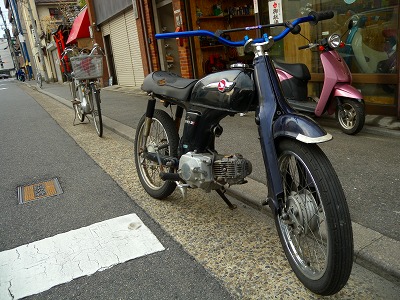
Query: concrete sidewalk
point(372, 250)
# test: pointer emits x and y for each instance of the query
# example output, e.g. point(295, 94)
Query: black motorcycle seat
point(299, 71)
point(168, 85)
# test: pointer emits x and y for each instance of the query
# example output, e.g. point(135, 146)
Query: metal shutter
point(134, 48)
point(126, 50)
point(105, 29)
point(120, 46)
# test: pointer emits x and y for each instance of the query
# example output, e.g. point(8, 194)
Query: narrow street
point(210, 252)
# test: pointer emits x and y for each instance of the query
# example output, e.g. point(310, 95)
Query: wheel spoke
point(304, 236)
point(163, 139)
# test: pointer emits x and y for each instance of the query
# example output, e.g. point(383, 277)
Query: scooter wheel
point(350, 115)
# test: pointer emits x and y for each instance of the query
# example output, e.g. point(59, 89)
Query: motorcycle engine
point(208, 171)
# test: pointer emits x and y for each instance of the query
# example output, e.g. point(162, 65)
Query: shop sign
point(275, 11)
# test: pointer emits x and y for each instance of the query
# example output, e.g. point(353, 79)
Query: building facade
point(126, 30)
point(117, 22)
point(371, 46)
point(6, 60)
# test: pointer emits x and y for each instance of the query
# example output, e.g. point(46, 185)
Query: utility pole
point(37, 41)
point(21, 36)
point(10, 44)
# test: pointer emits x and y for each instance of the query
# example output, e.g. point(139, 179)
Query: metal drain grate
point(40, 190)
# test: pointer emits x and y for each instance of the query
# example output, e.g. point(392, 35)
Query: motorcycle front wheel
point(163, 138)
point(314, 225)
point(350, 115)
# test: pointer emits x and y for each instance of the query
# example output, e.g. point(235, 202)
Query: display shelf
point(205, 18)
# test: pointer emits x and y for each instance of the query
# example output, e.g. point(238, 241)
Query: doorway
point(168, 48)
point(110, 60)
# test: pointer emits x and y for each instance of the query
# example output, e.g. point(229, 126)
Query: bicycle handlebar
point(313, 18)
point(96, 47)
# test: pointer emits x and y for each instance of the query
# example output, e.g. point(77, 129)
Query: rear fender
point(301, 128)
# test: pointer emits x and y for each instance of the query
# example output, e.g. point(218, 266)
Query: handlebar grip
point(320, 16)
point(304, 47)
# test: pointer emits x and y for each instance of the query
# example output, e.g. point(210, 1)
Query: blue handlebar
point(226, 42)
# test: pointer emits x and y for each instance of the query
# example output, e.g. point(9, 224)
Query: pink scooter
point(338, 95)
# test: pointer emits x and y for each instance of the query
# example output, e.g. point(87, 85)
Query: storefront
point(371, 46)
point(370, 51)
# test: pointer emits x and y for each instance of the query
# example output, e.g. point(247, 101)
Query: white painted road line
point(38, 266)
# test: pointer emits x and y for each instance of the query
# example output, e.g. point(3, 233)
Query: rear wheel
point(314, 226)
point(350, 116)
point(96, 110)
point(163, 136)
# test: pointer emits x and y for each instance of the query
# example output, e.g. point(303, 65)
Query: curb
point(372, 250)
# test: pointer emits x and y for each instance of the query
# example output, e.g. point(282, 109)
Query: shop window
point(55, 13)
point(371, 43)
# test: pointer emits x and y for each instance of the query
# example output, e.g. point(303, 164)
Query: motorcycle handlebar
point(313, 18)
point(320, 16)
point(304, 47)
point(309, 46)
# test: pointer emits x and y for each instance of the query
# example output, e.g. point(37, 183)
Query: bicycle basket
point(87, 66)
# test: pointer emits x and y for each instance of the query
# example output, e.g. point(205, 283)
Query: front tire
point(96, 110)
point(162, 133)
point(350, 115)
point(39, 81)
point(314, 226)
point(77, 106)
point(79, 112)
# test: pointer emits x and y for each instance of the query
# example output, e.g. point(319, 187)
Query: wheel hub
point(302, 212)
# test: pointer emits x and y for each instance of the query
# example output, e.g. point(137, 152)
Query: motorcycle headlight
point(334, 41)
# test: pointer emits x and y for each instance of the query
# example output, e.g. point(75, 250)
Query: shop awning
point(80, 27)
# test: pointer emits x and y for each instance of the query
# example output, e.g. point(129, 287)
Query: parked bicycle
point(84, 84)
point(39, 80)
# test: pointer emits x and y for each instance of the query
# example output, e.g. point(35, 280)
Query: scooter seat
point(168, 85)
point(299, 71)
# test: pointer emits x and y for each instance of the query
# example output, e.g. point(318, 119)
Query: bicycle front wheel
point(39, 81)
point(77, 106)
point(314, 226)
point(94, 97)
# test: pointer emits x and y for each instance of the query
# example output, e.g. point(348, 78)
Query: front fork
point(151, 104)
point(270, 106)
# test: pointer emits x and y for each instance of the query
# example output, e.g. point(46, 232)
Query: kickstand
point(221, 193)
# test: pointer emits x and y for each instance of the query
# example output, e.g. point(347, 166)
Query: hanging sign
point(275, 11)
point(255, 5)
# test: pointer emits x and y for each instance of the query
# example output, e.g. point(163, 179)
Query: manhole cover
point(40, 190)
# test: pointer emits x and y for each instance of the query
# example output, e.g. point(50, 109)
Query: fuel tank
point(231, 90)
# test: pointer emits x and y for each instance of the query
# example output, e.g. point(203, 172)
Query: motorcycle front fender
point(346, 90)
point(301, 128)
